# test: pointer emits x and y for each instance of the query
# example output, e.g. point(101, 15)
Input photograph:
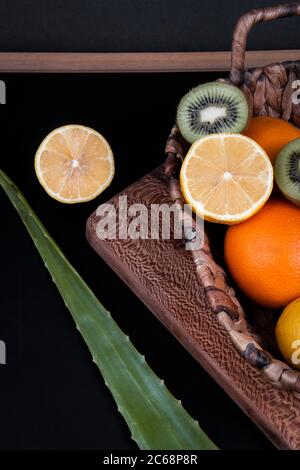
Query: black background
point(51, 395)
point(135, 25)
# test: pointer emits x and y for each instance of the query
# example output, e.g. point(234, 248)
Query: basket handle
point(243, 27)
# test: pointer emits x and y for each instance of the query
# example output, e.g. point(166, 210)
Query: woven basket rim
point(269, 91)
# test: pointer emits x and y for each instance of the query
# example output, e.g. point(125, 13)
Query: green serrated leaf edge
point(155, 418)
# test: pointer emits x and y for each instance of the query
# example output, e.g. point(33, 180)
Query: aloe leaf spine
point(155, 418)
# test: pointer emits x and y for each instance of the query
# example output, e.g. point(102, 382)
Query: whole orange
point(263, 254)
point(272, 134)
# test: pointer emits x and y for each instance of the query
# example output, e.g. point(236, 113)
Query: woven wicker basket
point(269, 90)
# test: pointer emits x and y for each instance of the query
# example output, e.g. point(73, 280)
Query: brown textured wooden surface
point(163, 276)
point(116, 62)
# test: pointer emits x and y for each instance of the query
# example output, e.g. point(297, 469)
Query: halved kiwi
point(212, 108)
point(287, 171)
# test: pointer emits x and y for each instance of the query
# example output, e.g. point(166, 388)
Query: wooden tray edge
point(204, 360)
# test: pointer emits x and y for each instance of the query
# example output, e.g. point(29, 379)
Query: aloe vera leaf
point(155, 418)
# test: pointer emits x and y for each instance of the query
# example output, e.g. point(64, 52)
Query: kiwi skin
point(287, 171)
point(220, 95)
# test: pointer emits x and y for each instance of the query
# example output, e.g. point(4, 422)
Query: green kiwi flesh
point(212, 108)
point(287, 171)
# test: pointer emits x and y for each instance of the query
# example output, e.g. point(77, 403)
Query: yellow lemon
point(74, 164)
point(288, 333)
point(226, 178)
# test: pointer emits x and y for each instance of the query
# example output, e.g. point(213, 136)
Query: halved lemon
point(74, 164)
point(226, 178)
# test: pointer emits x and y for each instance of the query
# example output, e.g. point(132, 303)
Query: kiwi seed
point(212, 108)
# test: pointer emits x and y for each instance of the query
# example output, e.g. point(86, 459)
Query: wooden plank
point(163, 276)
point(134, 62)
